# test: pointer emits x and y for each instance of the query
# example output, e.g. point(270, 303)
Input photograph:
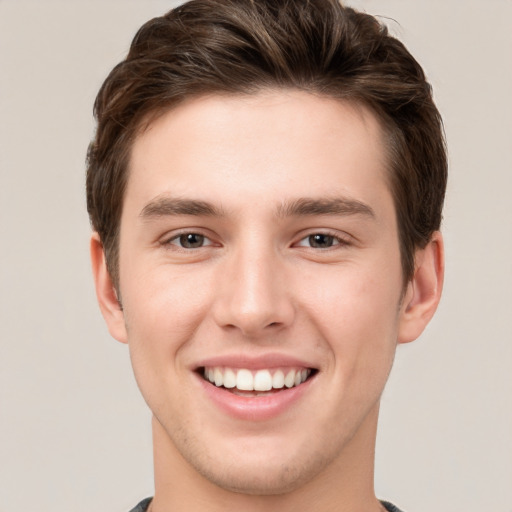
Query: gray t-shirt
point(144, 504)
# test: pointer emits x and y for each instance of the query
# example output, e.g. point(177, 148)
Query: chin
point(262, 479)
point(261, 468)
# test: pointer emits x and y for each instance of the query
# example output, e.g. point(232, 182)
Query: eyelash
point(178, 237)
point(337, 240)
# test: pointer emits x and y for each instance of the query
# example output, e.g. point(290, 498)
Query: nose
point(253, 294)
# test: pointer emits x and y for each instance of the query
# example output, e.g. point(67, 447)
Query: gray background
point(74, 432)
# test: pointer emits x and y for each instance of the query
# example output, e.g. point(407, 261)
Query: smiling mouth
point(250, 383)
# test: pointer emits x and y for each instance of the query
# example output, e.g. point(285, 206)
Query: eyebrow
point(164, 206)
point(326, 206)
point(171, 206)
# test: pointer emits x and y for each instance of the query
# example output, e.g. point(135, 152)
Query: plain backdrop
point(74, 431)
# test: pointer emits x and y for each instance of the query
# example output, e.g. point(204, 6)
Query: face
point(261, 284)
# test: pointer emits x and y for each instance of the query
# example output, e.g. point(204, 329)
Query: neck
point(344, 485)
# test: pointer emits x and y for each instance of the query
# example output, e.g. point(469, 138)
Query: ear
point(423, 291)
point(106, 293)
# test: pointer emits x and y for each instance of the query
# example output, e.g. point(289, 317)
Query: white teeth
point(278, 380)
point(217, 375)
point(244, 380)
point(289, 380)
point(262, 381)
point(229, 379)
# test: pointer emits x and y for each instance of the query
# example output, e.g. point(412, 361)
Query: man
point(265, 188)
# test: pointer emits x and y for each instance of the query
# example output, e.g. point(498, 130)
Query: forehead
point(259, 148)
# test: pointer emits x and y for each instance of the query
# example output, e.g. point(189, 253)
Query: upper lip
point(270, 360)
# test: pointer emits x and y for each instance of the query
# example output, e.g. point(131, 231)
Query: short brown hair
point(245, 46)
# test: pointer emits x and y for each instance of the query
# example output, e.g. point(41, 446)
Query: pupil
point(321, 240)
point(191, 240)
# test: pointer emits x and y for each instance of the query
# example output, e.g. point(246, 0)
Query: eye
point(320, 241)
point(190, 241)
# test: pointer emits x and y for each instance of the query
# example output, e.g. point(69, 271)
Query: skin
point(259, 287)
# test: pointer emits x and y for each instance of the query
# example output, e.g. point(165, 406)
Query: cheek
point(161, 315)
point(162, 311)
point(356, 312)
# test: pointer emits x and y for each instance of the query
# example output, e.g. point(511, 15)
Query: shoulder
point(142, 506)
point(390, 507)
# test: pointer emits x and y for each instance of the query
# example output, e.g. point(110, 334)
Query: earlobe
point(424, 290)
point(105, 292)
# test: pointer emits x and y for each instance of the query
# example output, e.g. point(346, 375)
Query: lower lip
point(257, 408)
